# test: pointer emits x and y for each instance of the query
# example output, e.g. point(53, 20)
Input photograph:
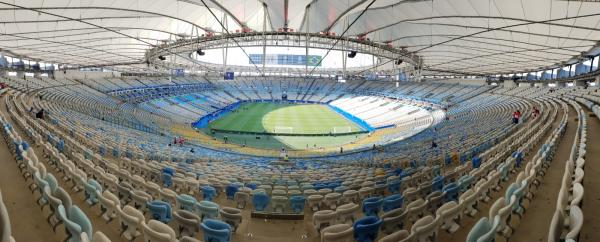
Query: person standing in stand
point(535, 112)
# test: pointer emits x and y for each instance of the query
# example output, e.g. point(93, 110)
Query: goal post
point(283, 130)
point(342, 129)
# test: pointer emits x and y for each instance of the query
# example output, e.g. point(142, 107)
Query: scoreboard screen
point(285, 59)
point(177, 72)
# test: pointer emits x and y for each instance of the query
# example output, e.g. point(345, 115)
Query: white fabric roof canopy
point(470, 36)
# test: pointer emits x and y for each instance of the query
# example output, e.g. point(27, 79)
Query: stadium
point(305, 120)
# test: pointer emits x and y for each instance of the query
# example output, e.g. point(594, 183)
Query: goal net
point(342, 129)
point(283, 130)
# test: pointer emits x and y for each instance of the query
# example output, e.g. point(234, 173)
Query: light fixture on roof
point(352, 54)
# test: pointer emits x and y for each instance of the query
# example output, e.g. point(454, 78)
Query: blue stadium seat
point(450, 192)
point(76, 223)
point(464, 182)
point(208, 193)
point(482, 227)
point(216, 231)
point(297, 203)
point(366, 229)
point(476, 162)
point(371, 206)
point(207, 209)
point(230, 190)
point(392, 202)
point(167, 179)
point(437, 183)
point(160, 211)
point(92, 187)
point(394, 186)
point(260, 201)
point(186, 202)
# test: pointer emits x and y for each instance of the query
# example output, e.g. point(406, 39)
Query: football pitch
point(274, 122)
point(280, 118)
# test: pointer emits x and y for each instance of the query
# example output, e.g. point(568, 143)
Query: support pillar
point(307, 43)
point(224, 51)
point(344, 60)
point(264, 58)
point(509, 83)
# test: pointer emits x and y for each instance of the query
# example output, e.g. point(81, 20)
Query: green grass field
point(285, 118)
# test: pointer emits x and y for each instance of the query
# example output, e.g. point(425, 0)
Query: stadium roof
point(469, 36)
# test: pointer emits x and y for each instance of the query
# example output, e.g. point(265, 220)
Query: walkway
point(591, 199)
point(536, 220)
point(45, 231)
point(28, 222)
point(468, 222)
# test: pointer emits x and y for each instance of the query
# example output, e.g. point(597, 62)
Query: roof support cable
point(548, 21)
point(235, 41)
point(340, 37)
point(431, 25)
point(17, 7)
point(489, 13)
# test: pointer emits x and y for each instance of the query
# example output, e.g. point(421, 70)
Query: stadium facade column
point(344, 61)
point(509, 83)
point(224, 50)
point(264, 57)
point(344, 55)
point(307, 43)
